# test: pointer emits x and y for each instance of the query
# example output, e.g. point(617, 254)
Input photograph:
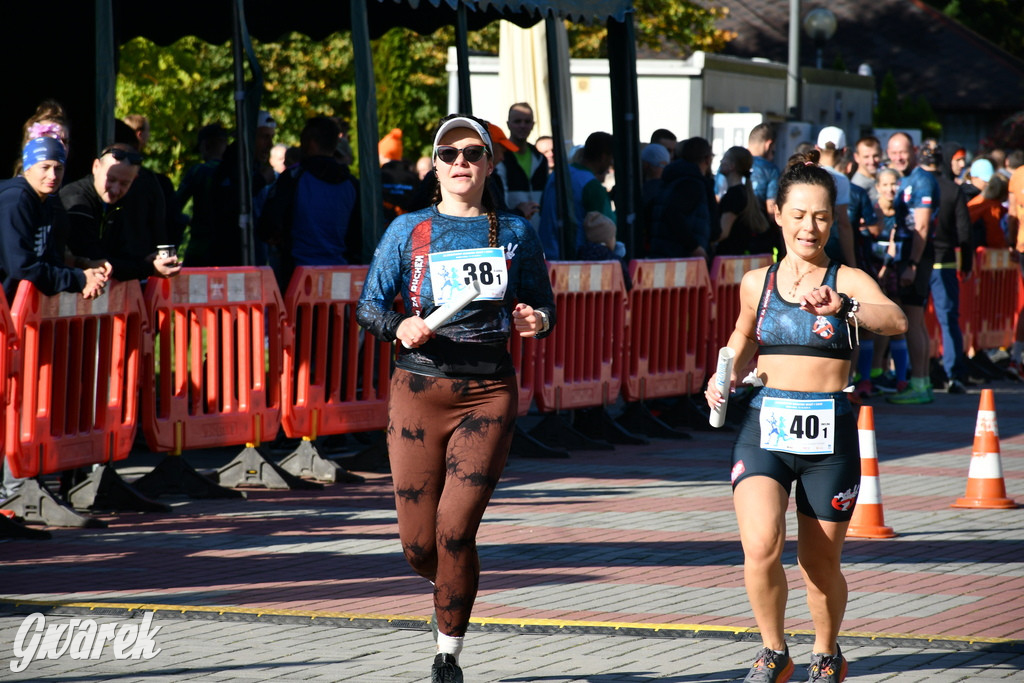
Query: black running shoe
point(445, 669)
point(827, 668)
point(770, 667)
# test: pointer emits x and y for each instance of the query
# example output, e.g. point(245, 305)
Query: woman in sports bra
point(453, 396)
point(802, 314)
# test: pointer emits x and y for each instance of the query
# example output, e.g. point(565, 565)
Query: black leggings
point(448, 440)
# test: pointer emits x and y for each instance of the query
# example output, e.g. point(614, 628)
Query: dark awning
point(268, 20)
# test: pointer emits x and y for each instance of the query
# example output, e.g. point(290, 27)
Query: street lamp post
point(820, 25)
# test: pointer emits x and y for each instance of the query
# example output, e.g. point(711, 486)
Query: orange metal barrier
point(668, 328)
point(726, 274)
point(991, 314)
point(215, 379)
point(336, 376)
point(74, 396)
point(581, 363)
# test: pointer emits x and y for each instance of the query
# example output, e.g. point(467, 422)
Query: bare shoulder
point(752, 283)
point(754, 278)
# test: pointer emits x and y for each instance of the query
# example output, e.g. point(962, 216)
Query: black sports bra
point(783, 328)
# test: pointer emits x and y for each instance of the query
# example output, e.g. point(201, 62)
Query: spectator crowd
point(905, 213)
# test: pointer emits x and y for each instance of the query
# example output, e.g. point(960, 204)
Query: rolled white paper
point(441, 315)
point(723, 376)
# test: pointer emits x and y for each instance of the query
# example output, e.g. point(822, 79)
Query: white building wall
point(683, 95)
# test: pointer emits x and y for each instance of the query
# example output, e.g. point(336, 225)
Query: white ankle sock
point(449, 645)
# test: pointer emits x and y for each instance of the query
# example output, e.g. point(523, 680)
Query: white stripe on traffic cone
point(868, 518)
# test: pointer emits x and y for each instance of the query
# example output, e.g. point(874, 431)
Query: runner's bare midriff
point(803, 373)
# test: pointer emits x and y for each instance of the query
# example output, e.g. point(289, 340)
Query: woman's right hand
point(713, 395)
point(413, 332)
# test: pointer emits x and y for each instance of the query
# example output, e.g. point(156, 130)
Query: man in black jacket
point(953, 231)
point(683, 214)
point(107, 224)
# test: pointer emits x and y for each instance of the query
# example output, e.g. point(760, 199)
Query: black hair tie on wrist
point(849, 308)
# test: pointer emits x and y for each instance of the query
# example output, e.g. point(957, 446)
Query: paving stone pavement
point(618, 565)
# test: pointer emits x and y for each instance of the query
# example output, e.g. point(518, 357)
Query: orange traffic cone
point(985, 486)
point(868, 520)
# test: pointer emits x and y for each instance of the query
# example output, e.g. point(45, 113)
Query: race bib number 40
point(805, 427)
point(451, 271)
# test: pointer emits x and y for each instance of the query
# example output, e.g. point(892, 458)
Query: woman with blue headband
point(29, 249)
point(29, 210)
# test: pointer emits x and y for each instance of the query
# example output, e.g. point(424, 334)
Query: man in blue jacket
point(312, 210)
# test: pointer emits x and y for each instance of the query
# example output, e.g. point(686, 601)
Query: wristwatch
point(545, 322)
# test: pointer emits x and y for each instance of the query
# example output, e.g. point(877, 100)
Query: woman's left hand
point(822, 300)
point(526, 320)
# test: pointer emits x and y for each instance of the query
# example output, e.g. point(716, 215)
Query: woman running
point(454, 396)
point(802, 314)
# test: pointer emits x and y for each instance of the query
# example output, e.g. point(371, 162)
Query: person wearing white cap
point(832, 144)
point(653, 159)
point(981, 172)
point(453, 398)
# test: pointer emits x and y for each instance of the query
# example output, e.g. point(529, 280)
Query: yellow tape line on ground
point(484, 621)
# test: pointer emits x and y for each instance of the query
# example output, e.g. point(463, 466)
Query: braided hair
point(492, 216)
point(803, 169)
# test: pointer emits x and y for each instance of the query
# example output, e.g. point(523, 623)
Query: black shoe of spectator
point(955, 386)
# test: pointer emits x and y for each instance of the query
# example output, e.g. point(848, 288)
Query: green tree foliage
point(412, 85)
point(179, 88)
point(895, 111)
point(186, 85)
point(675, 26)
point(190, 83)
point(998, 21)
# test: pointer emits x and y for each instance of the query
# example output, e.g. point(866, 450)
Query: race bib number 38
point(450, 271)
point(805, 427)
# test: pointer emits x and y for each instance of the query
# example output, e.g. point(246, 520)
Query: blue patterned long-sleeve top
point(426, 256)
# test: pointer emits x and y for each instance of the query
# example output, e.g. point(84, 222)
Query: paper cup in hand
point(164, 251)
point(723, 377)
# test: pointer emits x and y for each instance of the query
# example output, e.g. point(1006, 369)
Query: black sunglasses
point(119, 154)
point(471, 153)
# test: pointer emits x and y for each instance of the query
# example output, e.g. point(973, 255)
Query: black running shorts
point(826, 485)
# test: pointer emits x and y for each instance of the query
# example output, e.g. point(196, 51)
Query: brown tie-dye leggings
point(447, 440)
